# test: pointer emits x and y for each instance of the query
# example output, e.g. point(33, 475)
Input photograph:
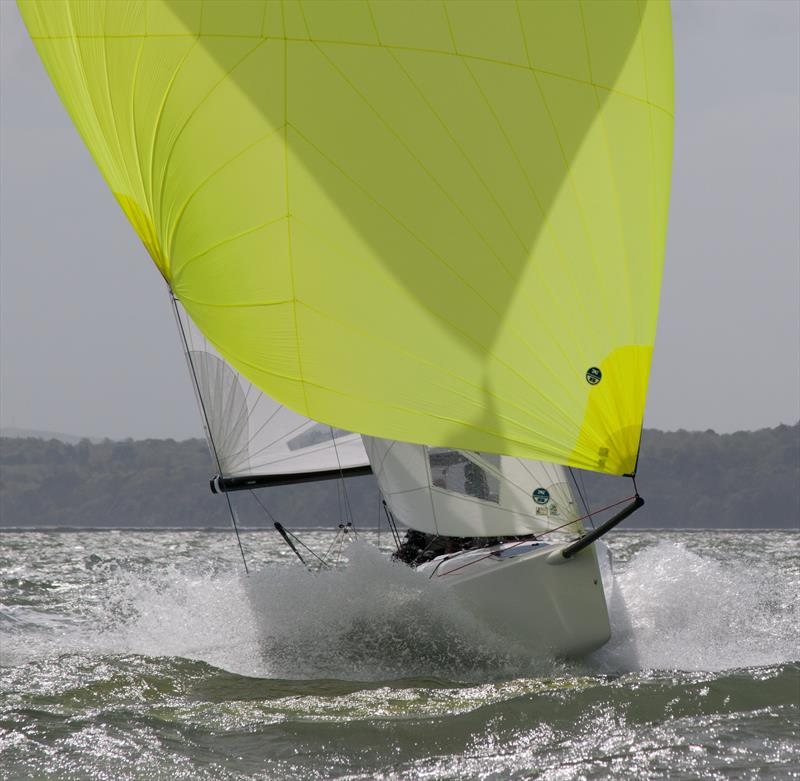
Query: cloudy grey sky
point(87, 341)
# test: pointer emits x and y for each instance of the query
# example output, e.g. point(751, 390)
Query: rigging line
point(329, 553)
point(283, 437)
point(532, 538)
point(330, 547)
point(390, 521)
point(520, 542)
point(497, 471)
point(340, 539)
point(580, 494)
point(345, 531)
point(322, 562)
point(206, 422)
point(638, 453)
point(344, 486)
point(426, 457)
point(397, 541)
point(584, 517)
point(272, 518)
point(586, 493)
point(378, 497)
point(236, 531)
point(395, 531)
point(300, 542)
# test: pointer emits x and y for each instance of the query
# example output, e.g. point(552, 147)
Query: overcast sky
point(87, 341)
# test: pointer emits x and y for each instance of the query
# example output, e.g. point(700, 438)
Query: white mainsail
point(250, 433)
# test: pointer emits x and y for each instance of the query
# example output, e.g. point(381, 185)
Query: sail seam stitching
point(227, 75)
point(289, 207)
point(555, 455)
point(363, 44)
point(533, 309)
point(612, 173)
point(444, 263)
point(134, 133)
point(227, 240)
point(123, 168)
point(428, 173)
point(237, 304)
point(418, 359)
point(458, 393)
point(199, 188)
point(541, 279)
point(157, 129)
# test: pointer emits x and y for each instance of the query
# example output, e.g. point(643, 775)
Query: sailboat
point(422, 239)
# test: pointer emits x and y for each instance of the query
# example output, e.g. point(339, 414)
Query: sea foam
point(671, 608)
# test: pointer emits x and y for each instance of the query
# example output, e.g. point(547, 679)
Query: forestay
point(251, 434)
point(438, 222)
point(464, 494)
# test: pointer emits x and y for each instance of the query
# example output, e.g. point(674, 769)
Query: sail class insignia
point(593, 375)
point(541, 495)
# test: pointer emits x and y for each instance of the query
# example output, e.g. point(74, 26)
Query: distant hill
point(690, 479)
point(149, 483)
point(31, 433)
point(701, 479)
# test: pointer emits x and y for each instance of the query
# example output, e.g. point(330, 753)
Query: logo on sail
point(541, 495)
point(593, 375)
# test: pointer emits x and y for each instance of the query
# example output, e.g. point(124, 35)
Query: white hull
point(528, 593)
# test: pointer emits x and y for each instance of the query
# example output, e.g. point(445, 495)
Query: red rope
point(475, 561)
point(589, 515)
point(549, 531)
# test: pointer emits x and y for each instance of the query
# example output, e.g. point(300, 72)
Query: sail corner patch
point(614, 411)
point(143, 225)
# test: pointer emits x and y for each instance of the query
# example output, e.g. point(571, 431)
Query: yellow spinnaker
point(438, 222)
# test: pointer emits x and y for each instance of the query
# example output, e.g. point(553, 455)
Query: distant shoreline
point(383, 530)
point(688, 479)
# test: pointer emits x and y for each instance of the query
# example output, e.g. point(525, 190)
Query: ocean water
point(148, 655)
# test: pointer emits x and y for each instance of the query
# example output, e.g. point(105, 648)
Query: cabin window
point(451, 470)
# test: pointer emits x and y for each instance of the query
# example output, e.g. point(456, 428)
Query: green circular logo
point(593, 375)
point(541, 495)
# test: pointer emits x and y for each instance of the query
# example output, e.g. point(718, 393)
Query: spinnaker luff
point(440, 223)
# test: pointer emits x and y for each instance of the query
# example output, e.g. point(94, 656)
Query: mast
point(206, 424)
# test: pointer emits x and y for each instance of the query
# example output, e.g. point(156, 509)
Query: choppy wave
point(672, 608)
point(146, 656)
point(676, 609)
point(135, 717)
